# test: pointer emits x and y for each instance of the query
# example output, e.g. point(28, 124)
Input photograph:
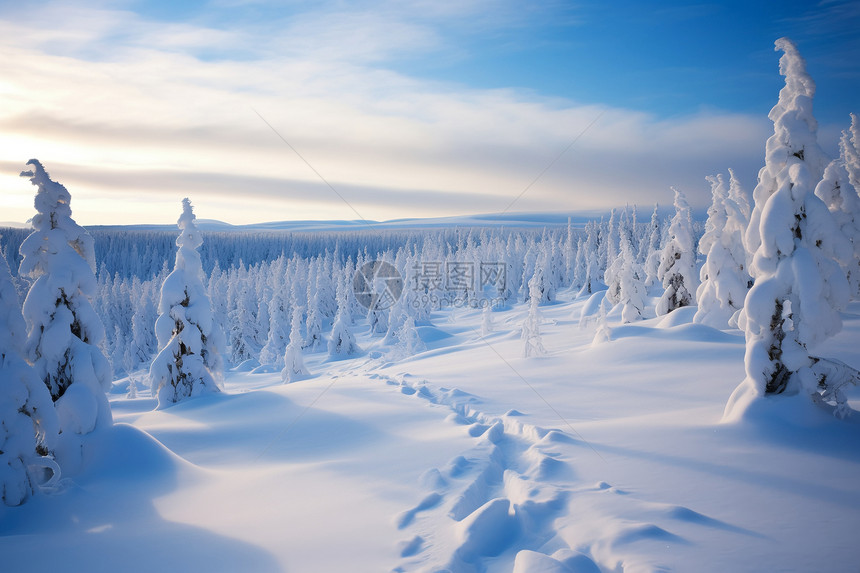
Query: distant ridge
point(490, 220)
point(518, 220)
point(14, 225)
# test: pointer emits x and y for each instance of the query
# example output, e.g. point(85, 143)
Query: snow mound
point(677, 317)
point(125, 453)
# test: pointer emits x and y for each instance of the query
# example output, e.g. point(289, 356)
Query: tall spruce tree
point(189, 362)
point(677, 269)
point(28, 422)
point(799, 287)
point(63, 330)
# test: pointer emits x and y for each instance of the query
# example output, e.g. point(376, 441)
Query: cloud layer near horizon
point(132, 115)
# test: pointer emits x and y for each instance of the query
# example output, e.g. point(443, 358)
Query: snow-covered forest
point(255, 279)
point(639, 393)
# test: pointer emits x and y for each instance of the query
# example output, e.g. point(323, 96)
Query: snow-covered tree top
point(799, 85)
point(190, 236)
point(681, 205)
point(54, 211)
point(795, 126)
point(52, 199)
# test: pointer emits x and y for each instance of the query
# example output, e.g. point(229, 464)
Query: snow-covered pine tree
point(614, 263)
point(557, 269)
point(717, 216)
point(631, 290)
point(487, 323)
point(677, 269)
point(837, 192)
point(569, 250)
point(543, 267)
point(120, 344)
point(532, 341)
point(28, 421)
point(610, 240)
point(217, 289)
point(342, 342)
point(396, 318)
point(378, 320)
point(132, 377)
point(294, 363)
point(650, 251)
point(142, 344)
point(313, 324)
point(741, 201)
point(243, 320)
point(189, 363)
point(64, 331)
point(602, 330)
point(579, 265)
point(633, 230)
point(591, 283)
point(725, 279)
point(849, 147)
point(273, 351)
point(264, 322)
point(514, 265)
point(528, 270)
point(799, 287)
point(409, 341)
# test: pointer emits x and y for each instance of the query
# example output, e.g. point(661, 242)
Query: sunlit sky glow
point(408, 109)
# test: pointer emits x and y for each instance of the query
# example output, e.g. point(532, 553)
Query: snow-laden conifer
point(532, 341)
point(188, 362)
point(631, 289)
point(650, 249)
point(579, 265)
point(487, 323)
point(849, 148)
point(837, 192)
point(677, 269)
point(592, 280)
point(63, 329)
point(244, 328)
point(409, 340)
point(799, 287)
point(342, 342)
point(313, 324)
point(294, 363)
point(28, 422)
point(741, 200)
point(724, 275)
point(272, 352)
point(615, 264)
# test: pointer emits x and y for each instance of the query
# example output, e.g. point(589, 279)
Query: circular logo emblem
point(377, 285)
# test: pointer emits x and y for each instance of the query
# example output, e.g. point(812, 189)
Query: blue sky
point(408, 109)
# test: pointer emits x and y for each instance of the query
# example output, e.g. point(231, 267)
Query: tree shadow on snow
point(107, 521)
point(260, 426)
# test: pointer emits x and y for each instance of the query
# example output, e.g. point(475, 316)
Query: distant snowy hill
point(515, 220)
point(14, 225)
point(519, 220)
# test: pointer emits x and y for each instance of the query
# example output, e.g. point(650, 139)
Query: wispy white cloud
point(133, 115)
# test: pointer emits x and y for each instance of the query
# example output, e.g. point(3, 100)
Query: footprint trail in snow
point(509, 499)
point(497, 500)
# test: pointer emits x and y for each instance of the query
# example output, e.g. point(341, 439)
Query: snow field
point(449, 460)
